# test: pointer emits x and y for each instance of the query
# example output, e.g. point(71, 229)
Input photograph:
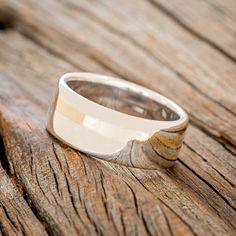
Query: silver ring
point(116, 120)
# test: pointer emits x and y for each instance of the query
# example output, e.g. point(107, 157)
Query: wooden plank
point(173, 61)
point(76, 194)
point(213, 22)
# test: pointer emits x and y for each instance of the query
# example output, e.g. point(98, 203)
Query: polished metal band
point(116, 120)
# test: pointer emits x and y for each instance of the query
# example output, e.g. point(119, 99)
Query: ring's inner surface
point(123, 100)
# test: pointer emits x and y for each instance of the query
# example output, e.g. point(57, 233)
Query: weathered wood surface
point(16, 217)
point(169, 46)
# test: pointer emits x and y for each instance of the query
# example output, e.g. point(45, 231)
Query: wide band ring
point(116, 120)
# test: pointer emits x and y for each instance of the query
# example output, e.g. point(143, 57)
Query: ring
point(116, 120)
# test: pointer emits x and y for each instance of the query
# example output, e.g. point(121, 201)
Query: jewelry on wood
point(116, 120)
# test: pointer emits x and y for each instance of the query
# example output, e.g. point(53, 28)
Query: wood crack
point(145, 223)
point(3, 158)
point(135, 199)
point(167, 222)
point(211, 187)
point(56, 155)
point(55, 179)
point(205, 160)
point(97, 230)
point(8, 217)
point(123, 224)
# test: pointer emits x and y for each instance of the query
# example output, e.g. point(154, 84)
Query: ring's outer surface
point(116, 120)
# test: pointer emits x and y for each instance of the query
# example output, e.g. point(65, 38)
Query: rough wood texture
point(52, 189)
point(16, 217)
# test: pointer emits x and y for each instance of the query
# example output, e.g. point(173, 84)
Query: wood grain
point(218, 32)
point(16, 217)
point(62, 192)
